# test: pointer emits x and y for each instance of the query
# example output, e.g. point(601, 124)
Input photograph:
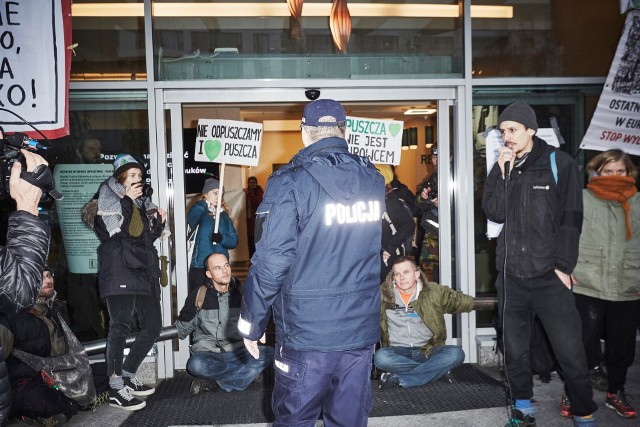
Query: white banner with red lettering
point(616, 121)
point(34, 66)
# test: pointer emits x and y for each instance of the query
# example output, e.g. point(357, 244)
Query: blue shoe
point(584, 421)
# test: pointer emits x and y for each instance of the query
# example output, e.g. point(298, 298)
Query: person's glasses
point(48, 275)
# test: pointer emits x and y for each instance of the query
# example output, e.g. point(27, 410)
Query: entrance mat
point(172, 404)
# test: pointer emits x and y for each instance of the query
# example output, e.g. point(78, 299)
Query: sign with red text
point(616, 121)
point(34, 66)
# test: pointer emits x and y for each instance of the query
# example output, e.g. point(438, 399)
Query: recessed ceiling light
point(420, 111)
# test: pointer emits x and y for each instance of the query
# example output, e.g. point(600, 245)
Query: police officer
point(317, 267)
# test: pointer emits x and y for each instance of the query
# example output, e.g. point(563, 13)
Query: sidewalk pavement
point(547, 398)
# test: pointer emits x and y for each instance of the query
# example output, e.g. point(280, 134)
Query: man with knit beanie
point(534, 191)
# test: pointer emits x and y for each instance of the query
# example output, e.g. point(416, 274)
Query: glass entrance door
point(279, 111)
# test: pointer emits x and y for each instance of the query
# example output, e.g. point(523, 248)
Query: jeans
point(122, 309)
point(337, 383)
point(415, 370)
point(555, 306)
point(232, 370)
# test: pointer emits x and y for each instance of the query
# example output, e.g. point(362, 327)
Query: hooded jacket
point(127, 264)
point(318, 240)
point(21, 265)
point(544, 218)
point(608, 263)
point(215, 325)
point(432, 303)
point(198, 216)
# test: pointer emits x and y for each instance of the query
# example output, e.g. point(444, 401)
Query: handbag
point(69, 373)
point(191, 244)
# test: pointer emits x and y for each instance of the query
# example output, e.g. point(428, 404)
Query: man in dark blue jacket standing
point(316, 267)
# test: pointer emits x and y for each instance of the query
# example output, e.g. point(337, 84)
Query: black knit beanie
point(519, 112)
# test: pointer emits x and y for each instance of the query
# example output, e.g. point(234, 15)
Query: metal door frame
point(451, 128)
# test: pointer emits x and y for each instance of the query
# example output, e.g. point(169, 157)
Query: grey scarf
point(109, 208)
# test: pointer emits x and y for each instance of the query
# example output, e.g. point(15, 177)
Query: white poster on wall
point(616, 121)
point(33, 69)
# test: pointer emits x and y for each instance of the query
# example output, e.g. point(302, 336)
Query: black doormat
point(173, 405)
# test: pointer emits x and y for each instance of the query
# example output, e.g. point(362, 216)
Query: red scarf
point(615, 189)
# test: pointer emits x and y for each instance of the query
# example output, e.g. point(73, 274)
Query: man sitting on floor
point(218, 355)
point(413, 328)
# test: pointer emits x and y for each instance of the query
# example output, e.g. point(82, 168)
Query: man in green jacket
point(412, 312)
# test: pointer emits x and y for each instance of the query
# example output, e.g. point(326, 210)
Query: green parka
point(608, 264)
point(433, 302)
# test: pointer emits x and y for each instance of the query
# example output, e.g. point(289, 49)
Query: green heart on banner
point(394, 128)
point(212, 148)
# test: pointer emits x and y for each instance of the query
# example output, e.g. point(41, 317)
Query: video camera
point(41, 176)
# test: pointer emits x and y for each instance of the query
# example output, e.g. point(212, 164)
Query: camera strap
point(42, 178)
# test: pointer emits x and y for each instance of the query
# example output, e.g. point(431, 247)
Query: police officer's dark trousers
point(338, 383)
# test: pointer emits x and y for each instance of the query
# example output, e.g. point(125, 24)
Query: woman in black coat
point(127, 223)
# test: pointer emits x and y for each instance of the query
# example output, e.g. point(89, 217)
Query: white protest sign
point(33, 77)
point(379, 140)
point(616, 121)
point(78, 184)
point(228, 141)
point(493, 144)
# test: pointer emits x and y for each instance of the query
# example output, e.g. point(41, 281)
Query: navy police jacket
point(317, 262)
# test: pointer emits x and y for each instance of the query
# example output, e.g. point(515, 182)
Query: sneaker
point(587, 421)
point(518, 419)
point(388, 381)
point(54, 420)
point(599, 379)
point(137, 387)
point(199, 385)
point(124, 399)
point(620, 403)
point(565, 406)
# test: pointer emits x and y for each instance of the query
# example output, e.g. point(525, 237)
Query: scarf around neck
point(111, 191)
point(615, 189)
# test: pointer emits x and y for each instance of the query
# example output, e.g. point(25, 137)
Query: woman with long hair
point(607, 291)
point(202, 215)
point(127, 224)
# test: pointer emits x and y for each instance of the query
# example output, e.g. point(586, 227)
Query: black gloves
point(216, 237)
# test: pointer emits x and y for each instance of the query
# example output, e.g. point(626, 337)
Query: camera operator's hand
point(133, 191)
point(26, 195)
point(425, 193)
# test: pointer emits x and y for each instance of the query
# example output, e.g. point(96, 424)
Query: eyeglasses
point(48, 275)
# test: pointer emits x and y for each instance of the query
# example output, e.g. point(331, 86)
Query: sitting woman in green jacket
point(607, 291)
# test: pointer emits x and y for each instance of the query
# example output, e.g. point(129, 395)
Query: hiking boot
point(124, 399)
point(586, 421)
point(199, 385)
point(518, 419)
point(54, 420)
point(388, 381)
point(620, 403)
point(599, 379)
point(100, 399)
point(137, 387)
point(565, 406)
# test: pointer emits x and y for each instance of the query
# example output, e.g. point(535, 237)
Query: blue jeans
point(336, 383)
point(415, 370)
point(232, 370)
point(122, 309)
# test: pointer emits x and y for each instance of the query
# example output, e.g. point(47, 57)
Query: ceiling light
point(281, 9)
point(420, 111)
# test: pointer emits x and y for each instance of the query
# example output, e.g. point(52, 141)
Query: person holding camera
point(427, 202)
point(23, 258)
point(127, 224)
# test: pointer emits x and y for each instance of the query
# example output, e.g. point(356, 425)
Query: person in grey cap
point(202, 215)
point(534, 191)
point(316, 268)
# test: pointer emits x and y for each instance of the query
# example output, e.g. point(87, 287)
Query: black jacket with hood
point(21, 266)
point(544, 218)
